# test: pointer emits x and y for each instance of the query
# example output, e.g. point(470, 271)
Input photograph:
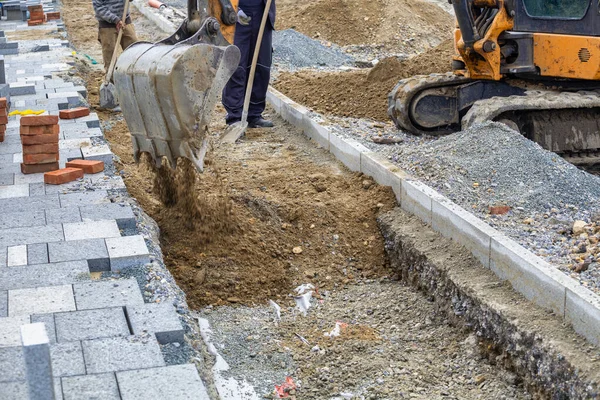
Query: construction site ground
point(278, 213)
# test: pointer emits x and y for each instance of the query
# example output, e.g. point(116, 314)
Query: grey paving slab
point(48, 320)
point(40, 300)
point(63, 215)
point(16, 256)
point(44, 275)
point(22, 219)
point(13, 390)
point(58, 395)
point(10, 148)
point(84, 133)
point(83, 198)
point(11, 168)
point(160, 319)
point(31, 235)
point(89, 387)
point(67, 359)
point(37, 189)
point(3, 303)
point(100, 153)
point(177, 382)
point(37, 253)
point(91, 230)
point(10, 331)
point(92, 250)
point(91, 324)
point(121, 354)
point(127, 252)
point(12, 364)
point(29, 204)
point(29, 178)
point(122, 292)
point(36, 351)
point(121, 213)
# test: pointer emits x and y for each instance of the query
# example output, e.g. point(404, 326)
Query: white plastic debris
point(277, 309)
point(303, 299)
point(337, 330)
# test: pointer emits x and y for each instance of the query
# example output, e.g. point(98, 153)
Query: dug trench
point(278, 212)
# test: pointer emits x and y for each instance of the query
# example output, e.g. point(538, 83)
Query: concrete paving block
point(3, 304)
point(48, 321)
point(20, 89)
point(74, 143)
point(63, 215)
point(100, 386)
point(67, 359)
point(44, 275)
point(91, 324)
point(127, 252)
point(10, 332)
point(31, 235)
point(161, 319)
point(347, 151)
point(72, 134)
point(58, 389)
point(66, 94)
point(92, 250)
point(101, 153)
point(10, 149)
point(293, 113)
point(83, 198)
point(29, 204)
point(417, 199)
point(29, 178)
point(57, 83)
point(92, 120)
point(582, 310)
point(7, 179)
point(37, 189)
point(122, 292)
point(12, 168)
point(320, 134)
point(70, 154)
point(382, 171)
point(91, 230)
point(176, 382)
point(12, 363)
point(17, 256)
point(14, 390)
point(79, 89)
point(121, 354)
point(529, 275)
point(464, 228)
point(36, 350)
point(37, 253)
point(122, 213)
point(40, 300)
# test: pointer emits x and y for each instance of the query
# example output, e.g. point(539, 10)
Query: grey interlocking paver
point(16, 256)
point(121, 354)
point(48, 320)
point(100, 387)
point(37, 253)
point(10, 331)
point(84, 198)
point(177, 382)
point(13, 390)
point(127, 252)
point(22, 219)
point(14, 191)
point(123, 214)
point(67, 359)
point(100, 153)
point(122, 292)
point(29, 178)
point(58, 395)
point(63, 215)
point(37, 189)
point(29, 204)
point(91, 324)
point(31, 235)
point(7, 179)
point(83, 133)
point(3, 303)
point(160, 319)
point(12, 363)
point(40, 300)
point(91, 230)
point(92, 250)
point(44, 275)
point(36, 351)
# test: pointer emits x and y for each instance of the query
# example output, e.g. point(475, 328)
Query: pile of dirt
point(403, 25)
point(361, 94)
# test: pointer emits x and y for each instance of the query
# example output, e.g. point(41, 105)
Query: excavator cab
point(168, 90)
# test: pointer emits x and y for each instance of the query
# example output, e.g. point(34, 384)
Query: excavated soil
point(361, 94)
point(406, 26)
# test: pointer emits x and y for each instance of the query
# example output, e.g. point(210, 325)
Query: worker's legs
point(129, 37)
point(233, 94)
point(262, 77)
point(108, 40)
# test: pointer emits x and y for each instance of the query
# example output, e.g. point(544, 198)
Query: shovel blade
point(108, 97)
point(234, 132)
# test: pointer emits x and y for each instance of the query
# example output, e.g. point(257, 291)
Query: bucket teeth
point(167, 95)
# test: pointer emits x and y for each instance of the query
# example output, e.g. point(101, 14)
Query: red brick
point(38, 168)
point(1, 137)
point(53, 15)
point(74, 113)
point(34, 23)
point(39, 139)
point(2, 128)
point(39, 130)
point(3, 112)
point(36, 15)
point(3, 102)
point(499, 210)
point(37, 7)
point(88, 166)
point(49, 148)
point(61, 176)
point(3, 120)
point(38, 120)
point(43, 158)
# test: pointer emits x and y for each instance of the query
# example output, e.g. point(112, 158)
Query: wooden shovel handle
point(113, 60)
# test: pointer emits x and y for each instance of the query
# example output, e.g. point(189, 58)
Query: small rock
point(499, 210)
point(366, 184)
point(297, 250)
point(578, 227)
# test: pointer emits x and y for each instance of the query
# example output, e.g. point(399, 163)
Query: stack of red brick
point(39, 137)
point(3, 117)
point(36, 15)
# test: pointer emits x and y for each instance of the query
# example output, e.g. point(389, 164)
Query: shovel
point(108, 98)
point(236, 130)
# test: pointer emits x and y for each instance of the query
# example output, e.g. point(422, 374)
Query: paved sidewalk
point(106, 342)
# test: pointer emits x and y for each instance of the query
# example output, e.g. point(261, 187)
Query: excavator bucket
point(167, 94)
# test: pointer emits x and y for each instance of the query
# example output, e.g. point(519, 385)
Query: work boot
point(260, 123)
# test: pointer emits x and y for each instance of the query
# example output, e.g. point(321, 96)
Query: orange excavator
point(531, 64)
